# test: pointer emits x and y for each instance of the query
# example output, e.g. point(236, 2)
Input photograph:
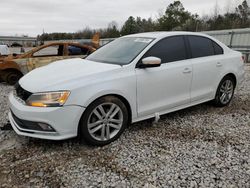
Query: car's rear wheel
point(225, 91)
point(104, 121)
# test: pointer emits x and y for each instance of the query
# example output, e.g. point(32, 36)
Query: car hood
point(65, 74)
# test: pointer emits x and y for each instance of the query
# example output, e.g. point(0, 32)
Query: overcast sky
point(32, 16)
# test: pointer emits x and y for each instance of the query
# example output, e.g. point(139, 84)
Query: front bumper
point(64, 120)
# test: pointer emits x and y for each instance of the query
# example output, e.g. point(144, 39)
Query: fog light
point(46, 127)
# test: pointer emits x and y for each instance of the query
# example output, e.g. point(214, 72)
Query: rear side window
point(200, 46)
point(217, 49)
point(169, 49)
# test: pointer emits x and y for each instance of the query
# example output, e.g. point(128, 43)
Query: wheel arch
point(119, 96)
point(231, 74)
point(5, 71)
point(217, 101)
point(122, 98)
point(12, 69)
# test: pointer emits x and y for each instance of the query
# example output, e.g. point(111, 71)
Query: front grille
point(22, 93)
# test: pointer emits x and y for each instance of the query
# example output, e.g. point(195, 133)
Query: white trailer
point(4, 50)
point(237, 39)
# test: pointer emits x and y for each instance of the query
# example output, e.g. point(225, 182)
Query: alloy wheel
point(105, 121)
point(226, 91)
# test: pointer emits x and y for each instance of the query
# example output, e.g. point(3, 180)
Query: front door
point(168, 86)
point(46, 56)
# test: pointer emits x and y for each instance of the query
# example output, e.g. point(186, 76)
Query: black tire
point(218, 102)
point(89, 114)
point(12, 77)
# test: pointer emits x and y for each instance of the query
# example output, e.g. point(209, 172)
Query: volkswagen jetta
point(133, 78)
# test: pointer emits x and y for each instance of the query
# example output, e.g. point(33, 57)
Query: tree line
point(175, 18)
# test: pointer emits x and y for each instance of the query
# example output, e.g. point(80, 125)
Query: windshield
point(121, 51)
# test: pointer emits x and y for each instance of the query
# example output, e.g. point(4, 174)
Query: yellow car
point(12, 68)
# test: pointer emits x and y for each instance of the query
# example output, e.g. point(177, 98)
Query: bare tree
point(113, 24)
point(229, 7)
point(216, 10)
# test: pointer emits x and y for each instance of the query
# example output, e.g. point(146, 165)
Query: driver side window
point(55, 50)
point(169, 49)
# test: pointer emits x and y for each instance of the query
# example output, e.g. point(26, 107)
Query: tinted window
point(169, 49)
point(217, 49)
point(201, 46)
point(75, 50)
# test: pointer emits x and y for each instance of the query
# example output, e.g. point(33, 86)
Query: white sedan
point(133, 78)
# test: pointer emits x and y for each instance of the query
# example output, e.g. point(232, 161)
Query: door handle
point(187, 70)
point(218, 64)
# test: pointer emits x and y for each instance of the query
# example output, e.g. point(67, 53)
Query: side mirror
point(150, 62)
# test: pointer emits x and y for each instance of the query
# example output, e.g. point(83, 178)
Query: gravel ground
point(200, 146)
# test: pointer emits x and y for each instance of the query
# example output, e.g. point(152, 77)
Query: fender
point(131, 102)
point(9, 65)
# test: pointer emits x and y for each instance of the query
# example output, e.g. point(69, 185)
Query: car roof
point(163, 34)
point(62, 42)
point(158, 35)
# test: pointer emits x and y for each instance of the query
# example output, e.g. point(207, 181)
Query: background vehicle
point(15, 44)
point(133, 78)
point(13, 67)
point(4, 50)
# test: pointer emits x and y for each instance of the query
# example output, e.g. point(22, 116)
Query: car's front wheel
point(225, 91)
point(103, 121)
point(11, 77)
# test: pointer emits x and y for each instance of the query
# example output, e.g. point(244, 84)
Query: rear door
point(207, 58)
point(168, 86)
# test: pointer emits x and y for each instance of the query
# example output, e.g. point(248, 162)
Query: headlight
point(50, 99)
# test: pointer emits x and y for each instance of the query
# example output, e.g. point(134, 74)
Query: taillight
point(243, 58)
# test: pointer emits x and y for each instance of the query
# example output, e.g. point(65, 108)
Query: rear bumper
point(64, 120)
